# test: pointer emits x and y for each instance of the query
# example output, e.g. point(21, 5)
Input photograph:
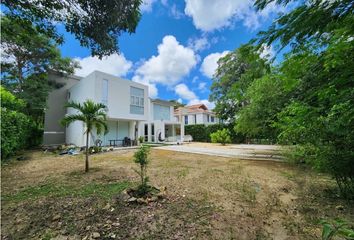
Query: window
point(104, 99)
point(208, 118)
point(136, 100)
point(212, 118)
point(186, 119)
point(195, 119)
point(161, 112)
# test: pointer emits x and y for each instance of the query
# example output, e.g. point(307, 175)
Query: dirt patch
point(207, 197)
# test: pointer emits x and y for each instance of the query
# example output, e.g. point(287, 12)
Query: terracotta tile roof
point(196, 108)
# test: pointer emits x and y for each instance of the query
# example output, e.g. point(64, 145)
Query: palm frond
point(74, 105)
point(72, 118)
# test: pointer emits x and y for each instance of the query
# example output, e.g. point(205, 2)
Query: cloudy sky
point(177, 44)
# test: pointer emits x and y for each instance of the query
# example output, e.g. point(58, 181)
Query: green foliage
point(96, 24)
point(221, 136)
point(313, 20)
point(201, 132)
point(236, 71)
point(307, 100)
point(18, 131)
point(336, 228)
point(95, 149)
point(141, 139)
point(141, 157)
point(93, 115)
point(28, 55)
point(197, 131)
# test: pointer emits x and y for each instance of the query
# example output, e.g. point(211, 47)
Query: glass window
point(208, 118)
point(186, 119)
point(161, 112)
point(104, 99)
point(212, 119)
point(136, 100)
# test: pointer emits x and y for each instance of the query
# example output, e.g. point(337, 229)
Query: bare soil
point(208, 197)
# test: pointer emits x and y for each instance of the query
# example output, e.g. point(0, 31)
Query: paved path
point(241, 151)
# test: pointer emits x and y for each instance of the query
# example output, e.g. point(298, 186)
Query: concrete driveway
point(241, 151)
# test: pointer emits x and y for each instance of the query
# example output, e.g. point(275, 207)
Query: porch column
point(182, 132)
point(132, 130)
point(149, 132)
point(174, 130)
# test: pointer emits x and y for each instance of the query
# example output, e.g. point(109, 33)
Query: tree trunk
point(87, 152)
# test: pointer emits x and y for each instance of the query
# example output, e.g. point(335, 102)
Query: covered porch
point(121, 133)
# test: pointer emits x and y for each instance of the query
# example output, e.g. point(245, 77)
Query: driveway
point(241, 151)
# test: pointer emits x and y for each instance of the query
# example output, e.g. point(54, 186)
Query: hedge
point(201, 132)
point(15, 132)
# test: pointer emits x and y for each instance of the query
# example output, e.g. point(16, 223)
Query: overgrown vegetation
point(306, 100)
point(18, 130)
point(221, 136)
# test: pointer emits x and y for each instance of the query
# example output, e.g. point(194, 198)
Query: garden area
point(48, 196)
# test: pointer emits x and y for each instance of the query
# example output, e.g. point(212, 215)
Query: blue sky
point(177, 44)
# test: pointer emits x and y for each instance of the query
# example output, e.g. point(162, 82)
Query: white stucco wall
point(119, 96)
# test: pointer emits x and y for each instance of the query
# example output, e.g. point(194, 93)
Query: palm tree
point(93, 115)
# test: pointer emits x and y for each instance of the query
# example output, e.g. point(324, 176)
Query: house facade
point(130, 112)
point(195, 114)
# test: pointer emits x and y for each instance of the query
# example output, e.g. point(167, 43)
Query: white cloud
point(183, 91)
point(210, 105)
point(146, 5)
point(202, 86)
point(198, 44)
point(267, 52)
point(172, 63)
point(210, 63)
point(209, 15)
point(114, 64)
point(175, 12)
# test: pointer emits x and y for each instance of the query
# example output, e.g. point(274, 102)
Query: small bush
point(221, 136)
point(95, 149)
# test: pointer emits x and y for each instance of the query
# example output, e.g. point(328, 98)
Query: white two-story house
point(130, 112)
point(195, 114)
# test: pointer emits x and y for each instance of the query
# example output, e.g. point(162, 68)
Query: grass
point(207, 197)
point(50, 189)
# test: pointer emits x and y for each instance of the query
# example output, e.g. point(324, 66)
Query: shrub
point(197, 131)
point(201, 133)
point(15, 125)
point(15, 132)
point(221, 136)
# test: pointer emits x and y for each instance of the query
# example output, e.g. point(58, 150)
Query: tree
point(221, 136)
point(28, 55)
point(310, 20)
point(93, 115)
point(177, 104)
point(236, 71)
point(97, 24)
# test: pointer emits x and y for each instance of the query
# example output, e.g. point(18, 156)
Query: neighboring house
point(195, 114)
point(131, 113)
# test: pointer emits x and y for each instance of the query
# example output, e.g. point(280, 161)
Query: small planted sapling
point(141, 157)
